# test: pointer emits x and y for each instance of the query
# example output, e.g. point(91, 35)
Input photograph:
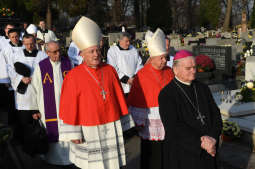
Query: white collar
point(55, 63)
point(186, 83)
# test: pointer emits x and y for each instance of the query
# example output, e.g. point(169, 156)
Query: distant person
point(125, 59)
point(45, 34)
point(5, 38)
point(171, 53)
point(74, 54)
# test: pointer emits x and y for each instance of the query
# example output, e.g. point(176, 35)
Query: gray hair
point(124, 34)
point(49, 43)
point(176, 62)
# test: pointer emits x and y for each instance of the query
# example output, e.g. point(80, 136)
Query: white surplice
point(58, 152)
point(47, 37)
point(126, 63)
point(3, 42)
point(23, 101)
point(7, 58)
point(73, 53)
point(103, 146)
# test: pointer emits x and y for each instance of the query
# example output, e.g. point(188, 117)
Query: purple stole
point(50, 108)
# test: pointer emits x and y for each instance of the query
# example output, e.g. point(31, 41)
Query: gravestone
point(188, 39)
point(113, 37)
point(221, 55)
point(140, 35)
point(212, 41)
point(176, 43)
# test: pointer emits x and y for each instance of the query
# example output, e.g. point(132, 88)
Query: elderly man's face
point(158, 62)
point(14, 37)
point(185, 70)
point(124, 42)
point(7, 28)
point(92, 56)
point(53, 52)
point(29, 44)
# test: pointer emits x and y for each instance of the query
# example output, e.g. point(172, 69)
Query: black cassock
point(181, 148)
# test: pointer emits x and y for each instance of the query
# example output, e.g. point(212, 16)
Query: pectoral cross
point(103, 93)
point(201, 118)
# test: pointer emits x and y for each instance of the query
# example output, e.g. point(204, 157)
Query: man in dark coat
point(190, 117)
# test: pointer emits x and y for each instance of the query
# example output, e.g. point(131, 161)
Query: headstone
point(188, 39)
point(68, 41)
point(113, 37)
point(140, 35)
point(176, 43)
point(221, 55)
point(244, 35)
point(212, 41)
point(226, 35)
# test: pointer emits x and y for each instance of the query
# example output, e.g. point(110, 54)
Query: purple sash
point(50, 108)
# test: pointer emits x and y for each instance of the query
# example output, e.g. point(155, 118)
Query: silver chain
point(200, 116)
point(154, 74)
point(103, 92)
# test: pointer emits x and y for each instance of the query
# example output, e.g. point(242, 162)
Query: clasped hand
point(209, 144)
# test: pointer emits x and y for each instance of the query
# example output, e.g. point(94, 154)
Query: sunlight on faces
point(7, 28)
point(14, 37)
point(124, 42)
point(53, 51)
point(185, 69)
point(158, 62)
point(29, 44)
point(91, 56)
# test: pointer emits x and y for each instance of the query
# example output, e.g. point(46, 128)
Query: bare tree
point(227, 15)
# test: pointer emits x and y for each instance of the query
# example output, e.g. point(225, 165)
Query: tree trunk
point(244, 16)
point(227, 16)
point(48, 14)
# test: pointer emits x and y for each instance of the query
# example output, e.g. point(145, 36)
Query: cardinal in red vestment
point(91, 105)
point(143, 100)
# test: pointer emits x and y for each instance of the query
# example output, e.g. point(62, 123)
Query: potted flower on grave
point(230, 131)
point(205, 66)
point(204, 63)
point(247, 92)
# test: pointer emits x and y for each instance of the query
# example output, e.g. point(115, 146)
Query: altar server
point(125, 59)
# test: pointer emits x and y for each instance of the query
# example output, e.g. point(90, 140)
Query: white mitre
point(156, 42)
point(31, 29)
point(86, 33)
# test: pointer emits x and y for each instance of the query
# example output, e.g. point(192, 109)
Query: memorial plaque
point(113, 37)
point(140, 35)
point(221, 55)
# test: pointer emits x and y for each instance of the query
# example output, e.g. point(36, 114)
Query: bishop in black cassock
point(189, 114)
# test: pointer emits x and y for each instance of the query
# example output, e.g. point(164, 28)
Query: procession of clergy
point(86, 105)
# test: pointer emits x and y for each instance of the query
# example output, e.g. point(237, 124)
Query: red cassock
point(147, 85)
point(82, 101)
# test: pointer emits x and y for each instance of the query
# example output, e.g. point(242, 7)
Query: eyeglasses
point(55, 51)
